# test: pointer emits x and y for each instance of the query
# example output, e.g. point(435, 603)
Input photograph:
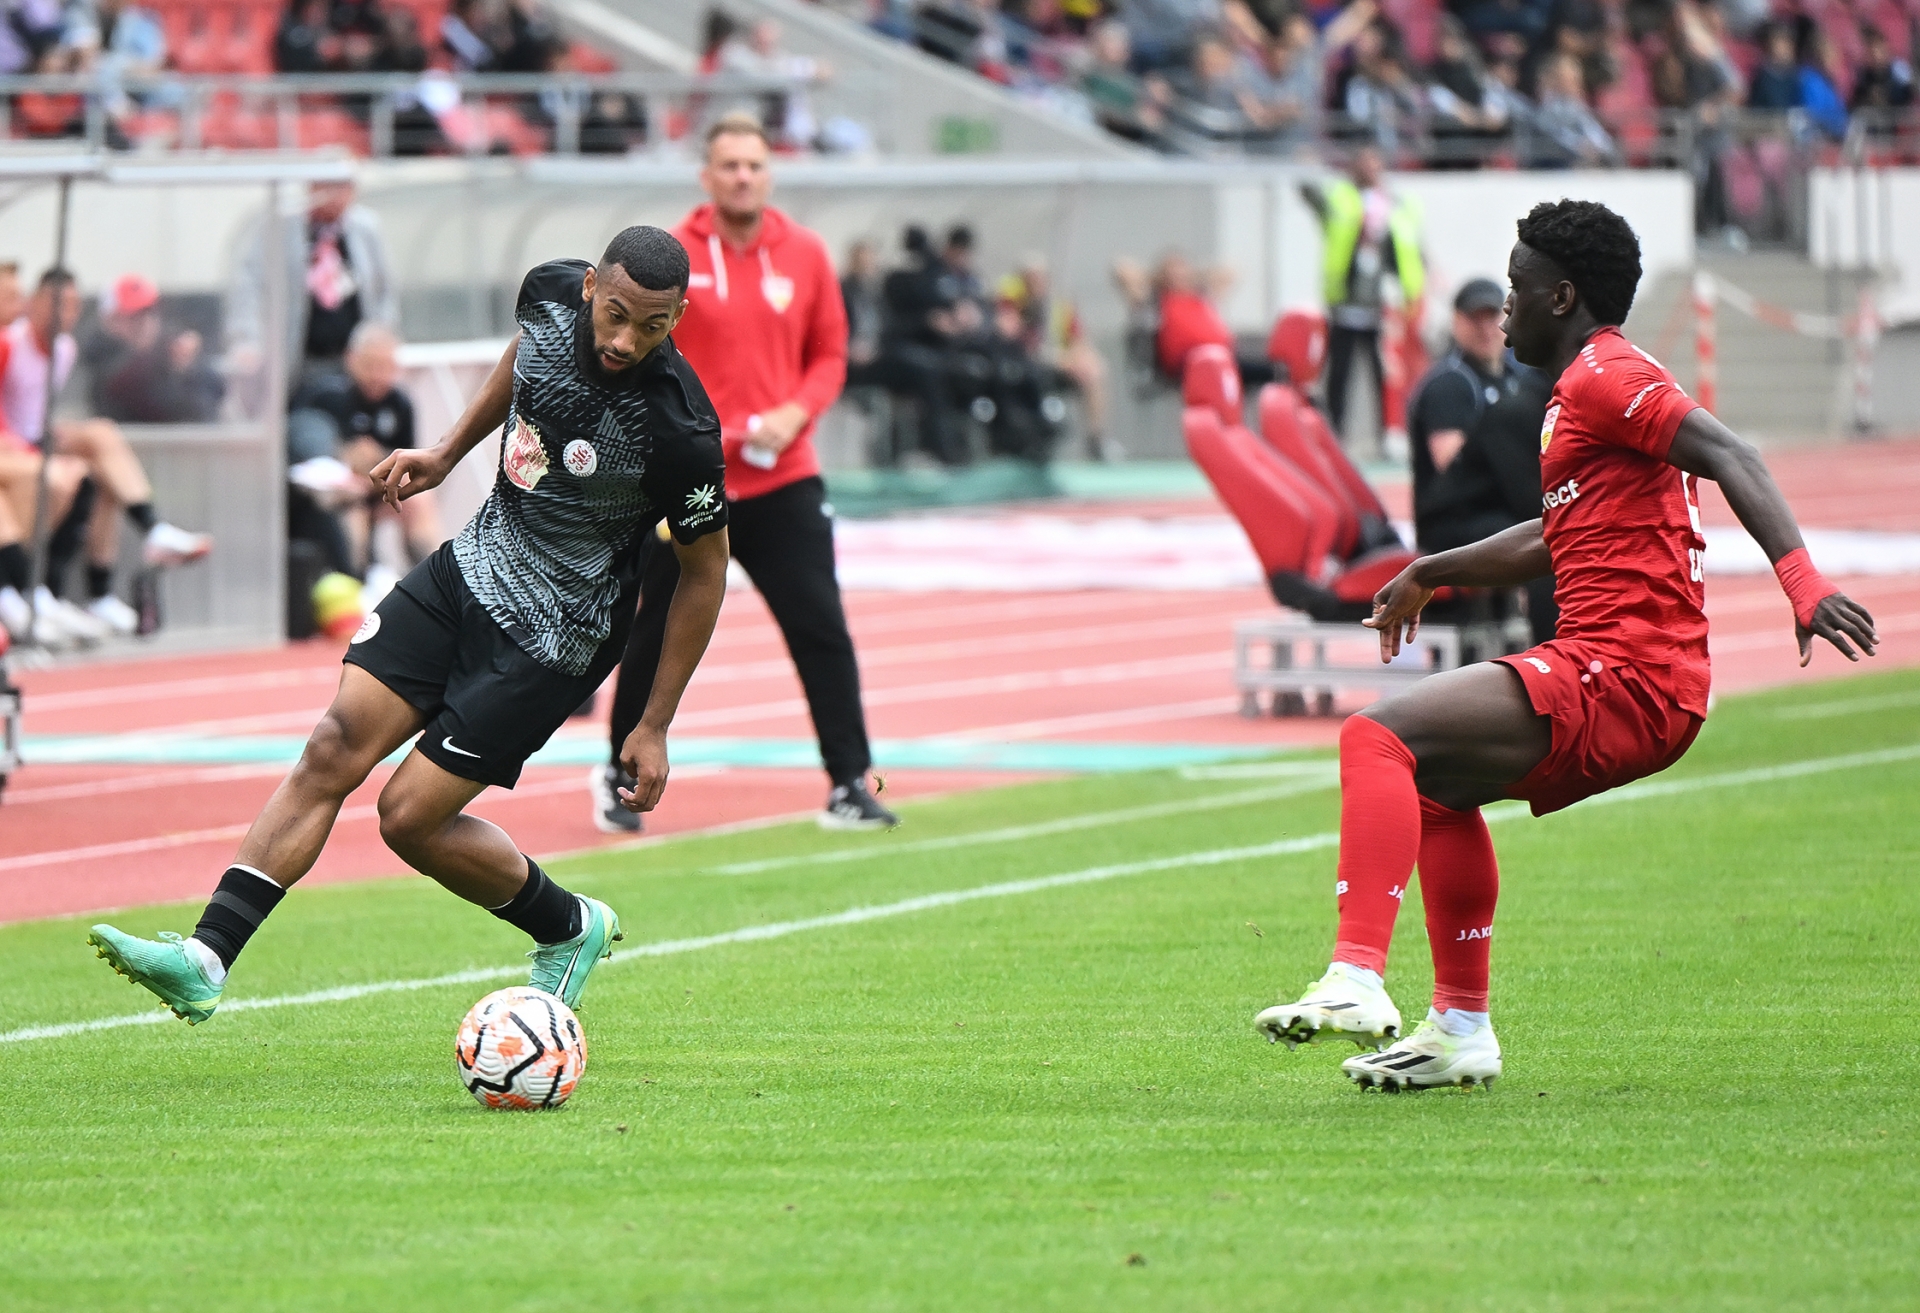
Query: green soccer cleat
point(562, 969)
point(163, 966)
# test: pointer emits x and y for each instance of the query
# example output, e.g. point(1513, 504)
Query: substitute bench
point(1301, 663)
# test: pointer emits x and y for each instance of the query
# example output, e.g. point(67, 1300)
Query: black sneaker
point(609, 816)
point(851, 807)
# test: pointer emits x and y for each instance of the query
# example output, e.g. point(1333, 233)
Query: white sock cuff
point(254, 870)
point(1457, 1022)
point(1360, 975)
point(209, 961)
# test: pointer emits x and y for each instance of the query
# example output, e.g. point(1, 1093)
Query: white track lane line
point(952, 897)
point(148, 779)
point(1067, 677)
point(158, 690)
point(363, 812)
point(1065, 825)
point(1091, 720)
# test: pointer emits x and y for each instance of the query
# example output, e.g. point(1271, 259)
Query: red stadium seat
point(1287, 520)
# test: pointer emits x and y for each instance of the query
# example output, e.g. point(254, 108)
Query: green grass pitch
point(1050, 1099)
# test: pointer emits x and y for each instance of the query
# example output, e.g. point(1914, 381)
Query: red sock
point(1459, 883)
point(1379, 839)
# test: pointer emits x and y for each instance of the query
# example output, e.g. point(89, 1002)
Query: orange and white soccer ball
point(520, 1048)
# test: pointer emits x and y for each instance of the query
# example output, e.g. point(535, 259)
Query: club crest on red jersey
point(1546, 428)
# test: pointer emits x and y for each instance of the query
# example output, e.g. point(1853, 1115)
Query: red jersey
point(1188, 320)
point(1621, 523)
point(765, 325)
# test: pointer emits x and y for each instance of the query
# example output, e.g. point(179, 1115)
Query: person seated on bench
point(1176, 301)
point(1474, 422)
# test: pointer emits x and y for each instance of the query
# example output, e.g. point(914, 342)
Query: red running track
point(1105, 666)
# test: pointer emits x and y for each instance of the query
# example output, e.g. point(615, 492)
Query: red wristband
point(1804, 585)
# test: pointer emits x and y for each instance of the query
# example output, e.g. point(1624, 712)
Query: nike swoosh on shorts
point(447, 743)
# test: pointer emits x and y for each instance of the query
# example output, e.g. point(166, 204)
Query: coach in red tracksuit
point(766, 330)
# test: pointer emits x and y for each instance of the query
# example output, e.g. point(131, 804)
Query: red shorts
point(1612, 722)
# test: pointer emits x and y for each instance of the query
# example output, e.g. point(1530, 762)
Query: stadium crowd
point(109, 42)
point(1537, 83)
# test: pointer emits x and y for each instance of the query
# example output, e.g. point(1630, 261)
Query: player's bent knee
point(332, 762)
point(408, 824)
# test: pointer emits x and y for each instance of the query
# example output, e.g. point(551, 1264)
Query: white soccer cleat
point(16, 613)
point(170, 545)
point(58, 622)
point(1336, 1006)
point(1429, 1057)
point(114, 614)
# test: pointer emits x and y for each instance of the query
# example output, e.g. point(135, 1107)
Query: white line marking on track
point(1032, 729)
point(1070, 677)
point(1065, 825)
point(213, 685)
point(119, 784)
point(952, 897)
point(363, 812)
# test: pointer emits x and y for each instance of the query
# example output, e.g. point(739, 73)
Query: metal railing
point(404, 113)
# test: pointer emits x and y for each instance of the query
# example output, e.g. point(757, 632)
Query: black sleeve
point(1446, 402)
point(686, 480)
point(403, 419)
point(556, 280)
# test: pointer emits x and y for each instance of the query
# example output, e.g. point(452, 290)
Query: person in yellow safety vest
point(1368, 233)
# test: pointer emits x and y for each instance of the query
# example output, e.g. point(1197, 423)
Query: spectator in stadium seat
point(1368, 234)
point(1123, 103)
point(1883, 82)
point(1567, 133)
point(860, 293)
point(372, 417)
point(41, 337)
point(1776, 82)
point(1177, 301)
point(337, 264)
point(1162, 31)
point(142, 374)
point(788, 114)
point(114, 40)
point(305, 41)
point(1474, 422)
point(1216, 84)
point(1467, 112)
point(1377, 92)
point(916, 358)
point(1051, 335)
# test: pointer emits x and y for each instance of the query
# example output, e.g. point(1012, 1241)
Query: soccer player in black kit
point(489, 644)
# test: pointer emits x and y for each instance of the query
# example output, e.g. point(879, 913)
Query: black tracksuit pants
point(784, 541)
point(1343, 344)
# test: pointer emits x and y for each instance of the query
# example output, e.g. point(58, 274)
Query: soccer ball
point(520, 1048)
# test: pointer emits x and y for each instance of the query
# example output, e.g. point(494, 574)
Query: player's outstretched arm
point(1708, 448)
point(410, 472)
point(690, 619)
point(1506, 560)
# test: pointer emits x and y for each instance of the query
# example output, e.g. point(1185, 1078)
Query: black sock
point(141, 513)
point(99, 580)
point(235, 911)
point(16, 567)
point(543, 909)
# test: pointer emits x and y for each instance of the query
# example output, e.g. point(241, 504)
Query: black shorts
point(489, 705)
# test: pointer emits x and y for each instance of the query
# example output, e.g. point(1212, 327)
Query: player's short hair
point(737, 122)
point(55, 274)
point(1594, 247)
point(652, 257)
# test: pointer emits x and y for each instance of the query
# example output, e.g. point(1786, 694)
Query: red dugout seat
point(1316, 526)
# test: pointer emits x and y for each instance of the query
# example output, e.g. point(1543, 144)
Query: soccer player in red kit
point(1618, 694)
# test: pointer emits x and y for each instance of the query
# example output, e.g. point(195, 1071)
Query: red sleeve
point(823, 360)
point(1637, 404)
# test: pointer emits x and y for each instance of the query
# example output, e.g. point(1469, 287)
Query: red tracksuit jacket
point(764, 326)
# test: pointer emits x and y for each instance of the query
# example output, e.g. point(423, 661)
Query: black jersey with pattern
point(589, 463)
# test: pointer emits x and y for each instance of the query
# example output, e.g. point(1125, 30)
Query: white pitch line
point(1065, 825)
point(1847, 706)
point(952, 897)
